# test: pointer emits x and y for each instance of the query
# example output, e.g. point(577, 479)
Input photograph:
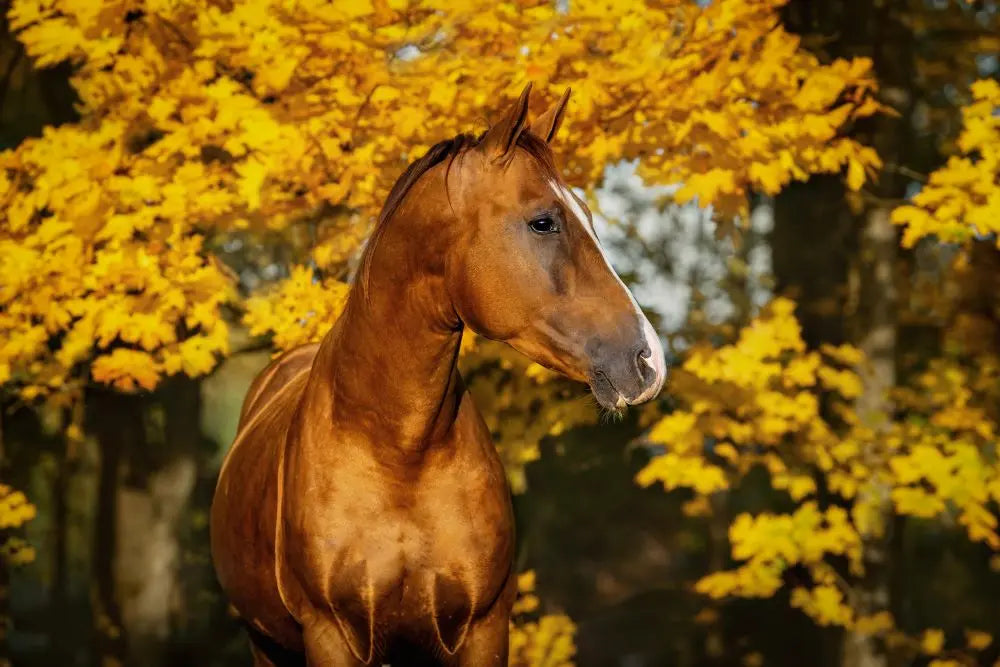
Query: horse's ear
point(546, 125)
point(500, 139)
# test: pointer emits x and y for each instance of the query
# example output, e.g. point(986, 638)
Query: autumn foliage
point(201, 123)
point(961, 200)
point(197, 121)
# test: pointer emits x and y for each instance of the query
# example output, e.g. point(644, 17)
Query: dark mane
point(444, 151)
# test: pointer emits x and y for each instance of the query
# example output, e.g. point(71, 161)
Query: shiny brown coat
point(362, 514)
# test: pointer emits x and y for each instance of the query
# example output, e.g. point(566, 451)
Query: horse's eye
point(544, 225)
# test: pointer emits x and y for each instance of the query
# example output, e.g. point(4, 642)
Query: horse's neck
point(387, 370)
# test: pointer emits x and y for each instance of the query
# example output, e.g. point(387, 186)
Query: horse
point(362, 514)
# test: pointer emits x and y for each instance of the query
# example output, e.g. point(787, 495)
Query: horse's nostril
point(644, 365)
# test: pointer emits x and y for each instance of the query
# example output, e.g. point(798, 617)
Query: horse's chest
point(410, 554)
point(424, 562)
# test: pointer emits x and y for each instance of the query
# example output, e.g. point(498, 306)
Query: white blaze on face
point(656, 359)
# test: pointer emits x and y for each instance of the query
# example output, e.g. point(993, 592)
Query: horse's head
point(527, 268)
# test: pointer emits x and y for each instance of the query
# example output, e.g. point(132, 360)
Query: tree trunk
point(714, 647)
point(877, 30)
point(4, 613)
point(146, 483)
point(811, 256)
point(158, 486)
point(4, 577)
point(116, 421)
point(875, 320)
point(876, 337)
point(60, 528)
point(59, 592)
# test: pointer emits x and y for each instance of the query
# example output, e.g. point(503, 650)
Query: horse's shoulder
point(274, 377)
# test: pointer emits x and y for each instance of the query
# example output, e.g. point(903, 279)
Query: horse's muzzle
point(627, 374)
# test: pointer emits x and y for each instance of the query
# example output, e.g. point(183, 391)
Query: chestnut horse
point(362, 515)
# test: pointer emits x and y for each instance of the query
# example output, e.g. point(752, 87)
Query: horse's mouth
point(604, 391)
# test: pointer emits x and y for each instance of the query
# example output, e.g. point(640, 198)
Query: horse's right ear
point(501, 138)
point(546, 125)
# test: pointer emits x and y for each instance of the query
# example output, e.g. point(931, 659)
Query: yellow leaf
point(932, 641)
point(252, 174)
point(855, 175)
point(978, 640)
point(126, 370)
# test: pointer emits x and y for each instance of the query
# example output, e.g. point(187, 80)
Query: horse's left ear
point(546, 125)
point(501, 138)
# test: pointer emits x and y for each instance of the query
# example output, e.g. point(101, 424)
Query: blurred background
point(804, 196)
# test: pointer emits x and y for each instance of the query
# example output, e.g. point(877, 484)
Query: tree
point(200, 123)
point(852, 280)
point(961, 200)
point(766, 401)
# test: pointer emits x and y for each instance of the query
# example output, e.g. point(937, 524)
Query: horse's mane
point(443, 151)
